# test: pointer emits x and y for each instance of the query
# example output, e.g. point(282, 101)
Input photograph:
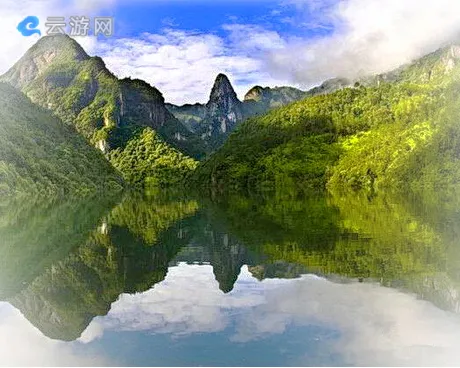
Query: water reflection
point(232, 281)
point(329, 323)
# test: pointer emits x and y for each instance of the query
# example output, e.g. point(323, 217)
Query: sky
point(180, 46)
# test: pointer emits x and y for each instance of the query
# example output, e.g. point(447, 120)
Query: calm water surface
point(342, 279)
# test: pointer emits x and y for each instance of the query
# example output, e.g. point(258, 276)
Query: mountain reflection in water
point(338, 279)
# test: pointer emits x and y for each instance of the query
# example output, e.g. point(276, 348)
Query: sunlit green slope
point(39, 154)
point(111, 113)
point(398, 130)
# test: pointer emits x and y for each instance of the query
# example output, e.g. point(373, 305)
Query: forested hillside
point(398, 130)
point(39, 154)
point(57, 74)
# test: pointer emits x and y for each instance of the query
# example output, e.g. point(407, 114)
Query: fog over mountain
point(362, 37)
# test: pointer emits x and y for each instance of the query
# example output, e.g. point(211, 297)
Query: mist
point(367, 37)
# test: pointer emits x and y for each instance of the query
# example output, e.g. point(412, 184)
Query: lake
point(163, 279)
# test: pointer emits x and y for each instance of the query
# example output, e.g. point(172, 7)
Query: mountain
point(271, 98)
point(329, 86)
point(224, 110)
point(57, 74)
point(397, 130)
point(216, 119)
point(41, 155)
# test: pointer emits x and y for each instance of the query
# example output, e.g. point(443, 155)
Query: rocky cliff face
point(215, 120)
point(57, 74)
point(224, 110)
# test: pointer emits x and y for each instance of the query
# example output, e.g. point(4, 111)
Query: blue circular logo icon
point(28, 26)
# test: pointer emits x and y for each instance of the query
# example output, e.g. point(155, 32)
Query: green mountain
point(397, 130)
point(41, 155)
point(110, 113)
point(216, 119)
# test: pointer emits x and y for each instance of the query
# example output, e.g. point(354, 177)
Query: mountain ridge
point(217, 118)
point(395, 130)
point(57, 74)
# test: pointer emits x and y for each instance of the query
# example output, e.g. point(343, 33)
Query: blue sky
point(208, 17)
point(180, 46)
point(266, 24)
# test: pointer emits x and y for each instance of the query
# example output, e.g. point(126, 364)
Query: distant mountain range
point(216, 119)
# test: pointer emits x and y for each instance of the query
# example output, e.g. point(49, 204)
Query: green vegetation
point(148, 216)
point(41, 155)
point(57, 74)
point(397, 131)
point(37, 233)
point(147, 160)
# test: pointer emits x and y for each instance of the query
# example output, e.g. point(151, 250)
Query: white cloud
point(370, 36)
point(367, 36)
point(376, 326)
point(175, 307)
point(252, 38)
point(184, 64)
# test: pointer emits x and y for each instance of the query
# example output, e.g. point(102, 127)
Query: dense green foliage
point(395, 131)
point(148, 160)
point(148, 216)
point(36, 233)
point(39, 154)
point(57, 74)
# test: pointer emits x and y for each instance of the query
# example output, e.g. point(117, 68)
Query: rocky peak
point(224, 109)
point(62, 45)
point(222, 92)
point(47, 51)
point(254, 94)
